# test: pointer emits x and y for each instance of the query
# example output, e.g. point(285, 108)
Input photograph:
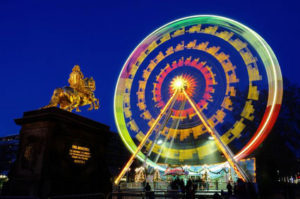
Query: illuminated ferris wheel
point(199, 90)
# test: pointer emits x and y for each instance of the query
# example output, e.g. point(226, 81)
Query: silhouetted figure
point(147, 187)
point(119, 190)
point(174, 185)
point(229, 189)
point(206, 185)
point(194, 189)
point(182, 187)
point(217, 184)
point(235, 189)
point(200, 183)
point(174, 188)
point(148, 190)
point(189, 189)
point(223, 195)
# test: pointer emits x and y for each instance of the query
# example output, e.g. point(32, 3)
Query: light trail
point(142, 143)
point(176, 124)
point(164, 123)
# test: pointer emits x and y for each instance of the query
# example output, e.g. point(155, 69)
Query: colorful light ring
point(209, 82)
point(177, 28)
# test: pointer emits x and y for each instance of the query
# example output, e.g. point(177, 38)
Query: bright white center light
point(178, 83)
point(159, 142)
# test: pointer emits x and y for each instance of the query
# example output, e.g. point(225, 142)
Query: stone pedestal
point(60, 153)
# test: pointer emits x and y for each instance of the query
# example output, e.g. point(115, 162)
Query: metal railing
point(158, 195)
point(216, 186)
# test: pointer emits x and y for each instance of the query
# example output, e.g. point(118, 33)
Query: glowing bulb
point(178, 83)
point(159, 142)
point(210, 138)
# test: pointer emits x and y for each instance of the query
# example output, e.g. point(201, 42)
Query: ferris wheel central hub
point(179, 83)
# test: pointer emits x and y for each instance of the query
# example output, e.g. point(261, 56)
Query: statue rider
point(76, 79)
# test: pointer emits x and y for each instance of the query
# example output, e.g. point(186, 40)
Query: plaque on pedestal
point(60, 153)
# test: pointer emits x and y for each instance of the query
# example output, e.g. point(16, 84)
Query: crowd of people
point(189, 189)
point(239, 190)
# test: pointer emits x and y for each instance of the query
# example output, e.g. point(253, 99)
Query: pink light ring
point(202, 69)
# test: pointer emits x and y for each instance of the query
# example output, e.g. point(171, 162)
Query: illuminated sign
point(79, 154)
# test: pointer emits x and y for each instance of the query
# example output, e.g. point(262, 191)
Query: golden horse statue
point(79, 93)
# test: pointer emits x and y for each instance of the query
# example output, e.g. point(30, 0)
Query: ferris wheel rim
point(276, 83)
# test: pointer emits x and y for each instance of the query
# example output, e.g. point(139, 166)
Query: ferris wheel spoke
point(213, 132)
point(163, 125)
point(148, 134)
point(174, 127)
point(166, 137)
point(165, 140)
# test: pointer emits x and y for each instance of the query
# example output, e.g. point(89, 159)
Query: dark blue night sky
point(41, 41)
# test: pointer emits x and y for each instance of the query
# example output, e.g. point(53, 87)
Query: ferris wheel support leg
point(225, 150)
point(168, 115)
point(142, 143)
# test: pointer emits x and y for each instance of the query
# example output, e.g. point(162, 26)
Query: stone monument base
point(59, 153)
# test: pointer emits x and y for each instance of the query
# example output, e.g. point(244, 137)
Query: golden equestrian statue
point(80, 92)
